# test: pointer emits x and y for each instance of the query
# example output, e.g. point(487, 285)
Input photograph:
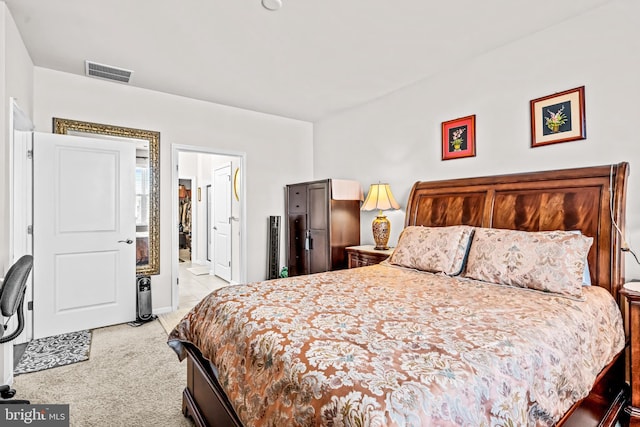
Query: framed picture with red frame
point(459, 138)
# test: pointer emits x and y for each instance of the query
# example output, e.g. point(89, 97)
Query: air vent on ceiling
point(93, 69)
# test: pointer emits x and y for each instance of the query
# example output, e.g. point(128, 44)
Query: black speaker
point(273, 263)
point(143, 303)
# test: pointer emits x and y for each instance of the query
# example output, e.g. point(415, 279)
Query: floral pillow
point(586, 274)
point(433, 249)
point(550, 261)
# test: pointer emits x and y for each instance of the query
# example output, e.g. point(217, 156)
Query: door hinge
point(229, 263)
point(30, 305)
point(29, 154)
point(29, 229)
point(177, 281)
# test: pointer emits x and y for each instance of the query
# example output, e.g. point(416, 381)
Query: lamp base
point(381, 229)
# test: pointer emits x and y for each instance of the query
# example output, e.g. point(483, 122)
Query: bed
point(440, 339)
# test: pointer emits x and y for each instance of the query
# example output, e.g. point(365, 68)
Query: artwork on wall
point(459, 138)
point(558, 118)
point(236, 184)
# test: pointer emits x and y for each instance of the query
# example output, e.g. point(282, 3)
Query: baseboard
point(6, 363)
point(8, 380)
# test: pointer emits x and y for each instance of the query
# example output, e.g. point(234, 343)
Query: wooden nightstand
point(360, 256)
point(633, 298)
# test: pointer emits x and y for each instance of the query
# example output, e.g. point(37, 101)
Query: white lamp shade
point(381, 198)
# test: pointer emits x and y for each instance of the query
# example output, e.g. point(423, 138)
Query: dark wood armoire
point(319, 228)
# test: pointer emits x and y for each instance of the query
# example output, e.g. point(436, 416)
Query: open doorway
point(195, 233)
point(185, 197)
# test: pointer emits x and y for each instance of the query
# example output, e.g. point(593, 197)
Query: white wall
point(397, 138)
point(268, 141)
point(16, 80)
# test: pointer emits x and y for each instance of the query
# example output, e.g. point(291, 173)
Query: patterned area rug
point(59, 350)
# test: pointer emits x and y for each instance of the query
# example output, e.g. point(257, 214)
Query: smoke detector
point(107, 72)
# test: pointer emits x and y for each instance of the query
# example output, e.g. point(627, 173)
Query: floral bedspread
point(384, 346)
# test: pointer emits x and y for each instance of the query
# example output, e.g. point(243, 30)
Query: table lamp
point(380, 198)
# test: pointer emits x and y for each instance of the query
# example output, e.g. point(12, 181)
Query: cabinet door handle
point(128, 241)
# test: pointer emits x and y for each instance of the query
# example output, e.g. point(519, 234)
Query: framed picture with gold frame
point(558, 118)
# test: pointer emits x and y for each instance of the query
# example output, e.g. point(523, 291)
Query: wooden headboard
point(584, 199)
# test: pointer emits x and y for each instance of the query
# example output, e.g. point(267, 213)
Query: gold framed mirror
point(147, 183)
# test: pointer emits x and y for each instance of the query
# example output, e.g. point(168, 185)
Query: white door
point(84, 233)
point(222, 222)
point(209, 223)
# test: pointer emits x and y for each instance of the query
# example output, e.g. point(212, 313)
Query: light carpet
point(132, 378)
point(51, 352)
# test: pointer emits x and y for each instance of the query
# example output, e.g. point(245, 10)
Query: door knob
point(128, 241)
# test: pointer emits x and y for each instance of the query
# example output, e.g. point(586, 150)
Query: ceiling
point(308, 60)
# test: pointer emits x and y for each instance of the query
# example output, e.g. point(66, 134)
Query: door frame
point(209, 200)
point(176, 149)
point(21, 202)
point(20, 242)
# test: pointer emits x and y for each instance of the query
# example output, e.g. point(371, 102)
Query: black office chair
point(12, 293)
